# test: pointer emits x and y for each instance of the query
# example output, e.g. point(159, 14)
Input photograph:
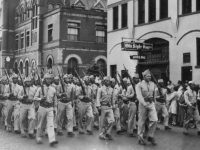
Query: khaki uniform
point(65, 108)
point(45, 112)
point(3, 101)
point(161, 106)
point(145, 90)
point(85, 108)
point(191, 98)
point(12, 108)
point(27, 110)
point(56, 105)
point(105, 95)
point(132, 109)
point(94, 107)
point(124, 111)
point(73, 101)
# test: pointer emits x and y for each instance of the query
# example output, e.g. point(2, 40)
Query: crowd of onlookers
point(175, 102)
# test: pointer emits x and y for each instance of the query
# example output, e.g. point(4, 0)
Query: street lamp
point(8, 59)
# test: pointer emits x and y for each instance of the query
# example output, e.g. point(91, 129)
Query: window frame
point(28, 38)
point(198, 50)
point(115, 18)
point(102, 28)
point(164, 8)
point(22, 46)
point(185, 58)
point(77, 27)
point(152, 8)
point(124, 15)
point(184, 7)
point(50, 30)
point(141, 13)
point(17, 41)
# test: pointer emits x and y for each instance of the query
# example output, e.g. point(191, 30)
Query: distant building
point(172, 26)
point(53, 33)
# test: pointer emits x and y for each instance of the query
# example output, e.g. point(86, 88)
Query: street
point(167, 140)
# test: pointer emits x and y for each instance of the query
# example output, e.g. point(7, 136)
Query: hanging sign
point(135, 46)
point(137, 57)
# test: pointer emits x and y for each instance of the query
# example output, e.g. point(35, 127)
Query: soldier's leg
point(61, 114)
point(81, 111)
point(110, 120)
point(50, 125)
point(74, 114)
point(69, 114)
point(197, 119)
point(102, 122)
point(55, 118)
point(96, 115)
point(190, 112)
point(31, 119)
point(23, 116)
point(153, 118)
point(16, 114)
point(117, 118)
point(42, 113)
point(142, 120)
point(132, 113)
point(90, 117)
point(8, 114)
point(165, 115)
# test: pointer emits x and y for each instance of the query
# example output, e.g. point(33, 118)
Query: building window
point(152, 10)
point(198, 51)
point(26, 68)
point(27, 39)
point(49, 63)
point(35, 20)
point(57, 6)
point(50, 32)
point(102, 66)
point(22, 40)
point(113, 71)
point(198, 5)
point(16, 42)
point(21, 67)
point(73, 31)
point(141, 11)
point(72, 64)
point(101, 33)
point(115, 18)
point(186, 6)
point(16, 18)
point(163, 9)
point(186, 57)
point(28, 13)
point(50, 7)
point(22, 16)
point(124, 15)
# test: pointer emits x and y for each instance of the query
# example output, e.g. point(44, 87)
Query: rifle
point(20, 75)
point(8, 80)
point(115, 77)
point(41, 84)
point(79, 79)
point(84, 73)
point(133, 85)
point(61, 81)
point(122, 82)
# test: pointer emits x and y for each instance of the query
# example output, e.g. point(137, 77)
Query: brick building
point(50, 33)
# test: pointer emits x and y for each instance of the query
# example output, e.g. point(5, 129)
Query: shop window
point(73, 31)
point(50, 32)
point(141, 11)
point(101, 33)
point(124, 15)
point(186, 57)
point(115, 18)
point(163, 9)
point(152, 10)
point(72, 64)
point(186, 6)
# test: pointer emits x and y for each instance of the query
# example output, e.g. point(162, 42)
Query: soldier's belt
point(46, 105)
point(160, 100)
point(65, 101)
point(150, 99)
point(106, 104)
point(3, 99)
point(86, 100)
point(26, 102)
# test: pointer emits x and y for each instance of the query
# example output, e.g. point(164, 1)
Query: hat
point(3, 78)
point(70, 76)
point(112, 80)
point(136, 75)
point(191, 82)
point(56, 78)
point(65, 76)
point(107, 78)
point(15, 76)
point(146, 72)
point(160, 81)
point(125, 79)
point(47, 75)
point(86, 78)
point(91, 76)
point(28, 79)
point(128, 81)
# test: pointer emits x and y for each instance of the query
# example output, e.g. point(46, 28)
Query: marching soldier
point(27, 109)
point(85, 107)
point(105, 95)
point(145, 94)
point(161, 103)
point(12, 108)
point(65, 107)
point(192, 111)
point(47, 96)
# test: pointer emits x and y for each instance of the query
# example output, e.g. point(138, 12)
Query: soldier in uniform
point(161, 103)
point(94, 102)
point(145, 94)
point(192, 111)
point(105, 95)
point(85, 107)
point(47, 96)
point(12, 108)
point(27, 109)
point(65, 107)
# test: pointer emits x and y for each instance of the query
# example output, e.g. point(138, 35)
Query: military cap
point(112, 80)
point(146, 72)
point(56, 78)
point(136, 75)
point(47, 76)
point(65, 76)
point(191, 82)
point(107, 78)
point(86, 78)
point(125, 79)
point(70, 76)
point(91, 76)
point(28, 79)
point(160, 81)
point(15, 76)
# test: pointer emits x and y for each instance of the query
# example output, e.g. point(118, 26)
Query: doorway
point(187, 73)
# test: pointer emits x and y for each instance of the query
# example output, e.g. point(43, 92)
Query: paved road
point(170, 140)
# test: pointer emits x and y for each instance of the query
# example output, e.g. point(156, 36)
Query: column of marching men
point(35, 108)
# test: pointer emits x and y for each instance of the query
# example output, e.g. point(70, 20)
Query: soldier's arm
point(37, 95)
point(99, 98)
point(130, 93)
point(20, 94)
point(139, 94)
point(186, 96)
point(7, 91)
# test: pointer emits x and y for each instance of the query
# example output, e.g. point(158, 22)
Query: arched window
point(26, 69)
point(50, 7)
point(22, 15)
point(16, 68)
point(102, 66)
point(57, 6)
point(21, 67)
point(72, 64)
point(49, 63)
